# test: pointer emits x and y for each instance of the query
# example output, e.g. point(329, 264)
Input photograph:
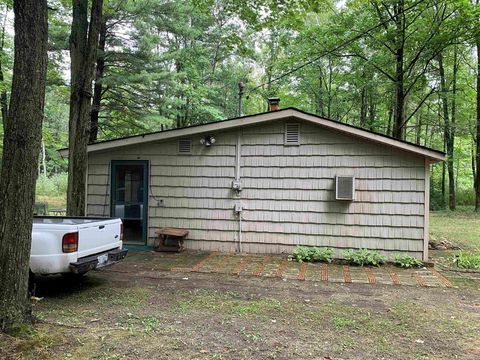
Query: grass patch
point(82, 303)
point(34, 345)
point(226, 303)
point(53, 202)
point(343, 322)
point(106, 296)
point(461, 226)
point(138, 324)
point(467, 260)
point(251, 335)
point(120, 316)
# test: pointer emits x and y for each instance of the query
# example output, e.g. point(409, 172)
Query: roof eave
point(187, 131)
point(431, 155)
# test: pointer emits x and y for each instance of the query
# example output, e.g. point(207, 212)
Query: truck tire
point(31, 283)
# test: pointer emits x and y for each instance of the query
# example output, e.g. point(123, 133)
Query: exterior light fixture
point(208, 141)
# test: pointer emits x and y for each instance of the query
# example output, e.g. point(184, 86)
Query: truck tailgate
point(98, 236)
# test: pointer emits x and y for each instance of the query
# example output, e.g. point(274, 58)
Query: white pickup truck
point(75, 244)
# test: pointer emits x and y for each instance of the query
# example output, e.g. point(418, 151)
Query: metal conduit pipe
point(238, 211)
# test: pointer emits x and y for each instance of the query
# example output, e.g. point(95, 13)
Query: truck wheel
point(31, 283)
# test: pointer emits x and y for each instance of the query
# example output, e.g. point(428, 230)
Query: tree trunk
point(329, 88)
point(451, 146)
point(389, 122)
point(23, 133)
point(3, 94)
point(399, 115)
point(44, 159)
point(320, 104)
point(474, 172)
point(372, 109)
point(418, 129)
point(363, 106)
point(83, 53)
point(98, 88)
point(449, 136)
point(443, 171)
point(477, 190)
point(399, 112)
point(425, 140)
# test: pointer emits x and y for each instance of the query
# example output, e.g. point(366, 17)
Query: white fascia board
point(433, 156)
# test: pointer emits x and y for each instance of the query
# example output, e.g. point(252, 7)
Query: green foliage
point(467, 260)
point(178, 63)
point(55, 185)
point(437, 200)
point(465, 196)
point(171, 70)
point(313, 254)
point(363, 257)
point(407, 261)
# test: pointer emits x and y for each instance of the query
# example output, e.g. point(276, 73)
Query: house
point(265, 183)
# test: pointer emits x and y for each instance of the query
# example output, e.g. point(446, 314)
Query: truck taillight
point(121, 232)
point(70, 242)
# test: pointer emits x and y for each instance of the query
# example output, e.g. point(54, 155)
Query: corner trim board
point(426, 235)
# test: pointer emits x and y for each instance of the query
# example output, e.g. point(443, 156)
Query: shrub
point(55, 185)
point(363, 257)
point(312, 254)
point(407, 261)
point(465, 196)
point(437, 200)
point(467, 260)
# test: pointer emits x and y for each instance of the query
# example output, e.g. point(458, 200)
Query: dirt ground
point(154, 314)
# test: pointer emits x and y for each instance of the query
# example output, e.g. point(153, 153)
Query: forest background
point(403, 68)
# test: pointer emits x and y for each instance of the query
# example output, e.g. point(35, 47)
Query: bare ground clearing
point(155, 314)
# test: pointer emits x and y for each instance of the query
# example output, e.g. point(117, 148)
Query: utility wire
point(327, 52)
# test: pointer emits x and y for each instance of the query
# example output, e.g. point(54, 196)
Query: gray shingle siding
point(288, 191)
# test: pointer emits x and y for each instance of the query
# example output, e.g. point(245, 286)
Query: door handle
point(101, 227)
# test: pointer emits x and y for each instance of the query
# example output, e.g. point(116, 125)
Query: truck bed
point(67, 220)
point(95, 236)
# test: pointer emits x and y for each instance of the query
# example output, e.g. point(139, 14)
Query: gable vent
point(344, 187)
point(292, 134)
point(185, 146)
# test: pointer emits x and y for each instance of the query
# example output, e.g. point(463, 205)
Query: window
point(185, 146)
point(292, 134)
point(344, 188)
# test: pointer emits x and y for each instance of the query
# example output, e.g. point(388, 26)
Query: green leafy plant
point(407, 261)
point(467, 260)
point(364, 257)
point(349, 255)
point(323, 255)
point(313, 254)
point(302, 253)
